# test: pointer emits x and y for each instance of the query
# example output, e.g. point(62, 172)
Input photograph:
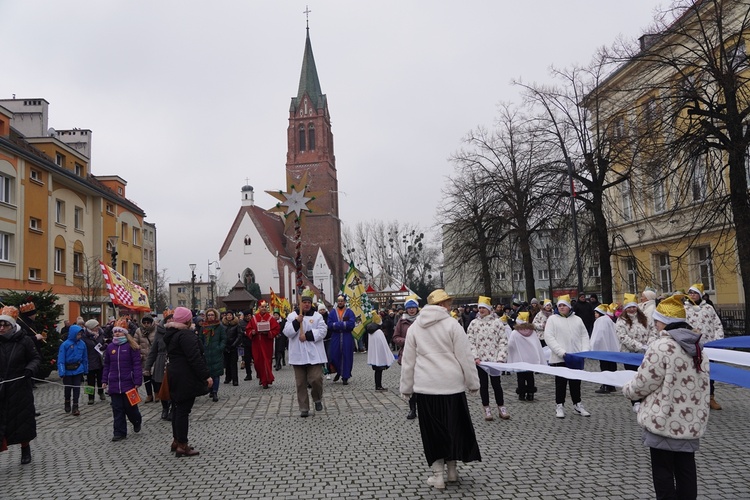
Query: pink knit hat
point(182, 315)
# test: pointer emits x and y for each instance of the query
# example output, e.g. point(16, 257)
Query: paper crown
point(9, 311)
point(307, 295)
point(629, 300)
point(564, 299)
point(342, 296)
point(485, 302)
point(168, 313)
point(504, 318)
point(670, 310)
point(698, 287)
point(546, 302)
point(602, 309)
point(437, 296)
point(613, 308)
point(523, 317)
point(376, 318)
point(262, 303)
point(27, 307)
point(121, 325)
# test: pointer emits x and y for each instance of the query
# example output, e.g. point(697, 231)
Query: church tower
point(310, 150)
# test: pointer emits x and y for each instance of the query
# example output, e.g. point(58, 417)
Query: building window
point(5, 241)
point(541, 253)
point(124, 232)
point(136, 236)
point(627, 202)
point(311, 137)
point(556, 274)
point(542, 274)
point(618, 128)
point(660, 195)
point(705, 267)
point(649, 111)
point(632, 274)
point(77, 263)
point(79, 170)
point(124, 268)
point(595, 274)
point(136, 272)
point(59, 160)
point(35, 224)
point(517, 275)
point(698, 182)
point(301, 137)
point(110, 209)
point(78, 218)
point(120, 191)
point(500, 275)
point(182, 303)
point(59, 211)
point(181, 289)
point(59, 260)
point(665, 272)
point(6, 189)
point(34, 175)
point(35, 274)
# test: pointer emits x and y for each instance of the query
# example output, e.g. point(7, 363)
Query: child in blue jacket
point(72, 365)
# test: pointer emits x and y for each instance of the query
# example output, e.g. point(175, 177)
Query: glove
point(473, 392)
point(27, 373)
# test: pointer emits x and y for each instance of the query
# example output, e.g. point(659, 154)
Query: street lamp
point(192, 286)
point(211, 278)
point(113, 250)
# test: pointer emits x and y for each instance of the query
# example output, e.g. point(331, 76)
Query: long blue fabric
point(731, 342)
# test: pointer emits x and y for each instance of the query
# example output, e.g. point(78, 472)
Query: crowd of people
point(441, 350)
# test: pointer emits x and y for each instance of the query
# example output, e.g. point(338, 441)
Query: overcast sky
point(187, 99)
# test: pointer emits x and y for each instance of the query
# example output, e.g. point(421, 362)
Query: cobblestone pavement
point(254, 445)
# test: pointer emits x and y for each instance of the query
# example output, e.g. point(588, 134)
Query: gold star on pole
point(296, 201)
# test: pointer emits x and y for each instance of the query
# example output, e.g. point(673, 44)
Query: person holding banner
point(673, 382)
point(565, 333)
point(341, 322)
point(122, 373)
point(704, 320)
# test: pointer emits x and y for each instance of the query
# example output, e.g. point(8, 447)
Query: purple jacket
point(122, 368)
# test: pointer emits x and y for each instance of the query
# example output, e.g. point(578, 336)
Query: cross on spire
point(306, 12)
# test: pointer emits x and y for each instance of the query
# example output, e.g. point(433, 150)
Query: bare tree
point(90, 284)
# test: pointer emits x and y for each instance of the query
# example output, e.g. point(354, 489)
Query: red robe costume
point(262, 329)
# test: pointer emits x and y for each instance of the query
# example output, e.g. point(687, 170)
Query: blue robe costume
point(341, 350)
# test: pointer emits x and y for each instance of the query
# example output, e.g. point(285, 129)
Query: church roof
point(269, 225)
point(308, 81)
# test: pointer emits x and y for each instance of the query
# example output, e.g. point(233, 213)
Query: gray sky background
point(187, 99)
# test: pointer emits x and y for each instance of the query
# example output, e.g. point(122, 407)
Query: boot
point(150, 398)
point(173, 446)
point(91, 399)
point(75, 411)
point(26, 454)
point(101, 394)
point(171, 413)
point(452, 472)
point(412, 409)
point(521, 394)
point(183, 450)
point(714, 405)
point(164, 413)
point(214, 397)
point(437, 479)
point(602, 390)
point(67, 406)
point(529, 396)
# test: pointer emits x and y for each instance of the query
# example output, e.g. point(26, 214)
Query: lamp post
point(113, 250)
point(192, 286)
point(211, 278)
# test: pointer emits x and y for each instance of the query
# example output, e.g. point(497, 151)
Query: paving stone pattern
point(253, 444)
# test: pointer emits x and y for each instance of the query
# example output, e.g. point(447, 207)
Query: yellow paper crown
point(565, 299)
point(376, 318)
point(672, 307)
point(613, 307)
point(546, 301)
point(504, 318)
point(698, 287)
point(485, 301)
point(628, 300)
point(522, 317)
point(307, 294)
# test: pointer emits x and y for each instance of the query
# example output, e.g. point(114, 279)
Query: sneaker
point(328, 377)
point(504, 413)
point(318, 406)
point(559, 411)
point(487, 414)
point(578, 408)
point(636, 407)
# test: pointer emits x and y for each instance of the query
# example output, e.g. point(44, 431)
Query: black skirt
point(446, 428)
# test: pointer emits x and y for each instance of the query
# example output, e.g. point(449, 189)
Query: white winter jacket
point(437, 357)
point(565, 335)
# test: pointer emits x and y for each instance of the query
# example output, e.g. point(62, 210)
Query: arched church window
point(247, 241)
point(248, 277)
point(301, 137)
point(311, 137)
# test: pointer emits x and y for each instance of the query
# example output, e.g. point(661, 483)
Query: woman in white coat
point(604, 338)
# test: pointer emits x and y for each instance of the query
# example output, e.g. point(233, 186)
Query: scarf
point(409, 318)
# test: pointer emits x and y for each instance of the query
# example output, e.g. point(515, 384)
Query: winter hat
point(534, 301)
point(121, 325)
point(437, 296)
point(649, 293)
point(321, 308)
point(485, 302)
point(147, 317)
point(628, 300)
point(564, 299)
point(546, 302)
point(698, 287)
point(516, 302)
point(182, 315)
point(92, 324)
point(670, 310)
point(411, 301)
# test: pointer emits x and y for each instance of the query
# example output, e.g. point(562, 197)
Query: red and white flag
point(124, 292)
